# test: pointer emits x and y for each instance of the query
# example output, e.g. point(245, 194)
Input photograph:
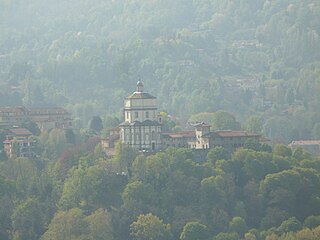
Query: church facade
point(141, 128)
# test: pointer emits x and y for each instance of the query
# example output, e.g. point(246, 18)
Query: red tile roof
point(305, 142)
point(230, 133)
point(180, 134)
point(20, 131)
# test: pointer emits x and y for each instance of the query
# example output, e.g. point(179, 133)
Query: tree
point(238, 225)
point(70, 136)
point(96, 124)
point(312, 221)
point(289, 225)
point(124, 156)
point(137, 197)
point(28, 220)
point(194, 231)
point(148, 227)
point(282, 150)
point(223, 120)
point(217, 153)
point(227, 236)
point(69, 225)
point(100, 225)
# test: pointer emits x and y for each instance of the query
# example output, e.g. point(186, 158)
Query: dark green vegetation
point(257, 60)
point(166, 196)
point(249, 58)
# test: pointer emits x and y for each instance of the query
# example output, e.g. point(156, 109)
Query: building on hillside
point(178, 139)
point(19, 147)
point(19, 132)
point(18, 143)
point(10, 116)
point(311, 146)
point(53, 117)
point(141, 128)
point(45, 118)
point(203, 138)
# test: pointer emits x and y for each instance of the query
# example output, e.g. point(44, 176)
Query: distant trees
point(96, 124)
point(194, 231)
point(150, 227)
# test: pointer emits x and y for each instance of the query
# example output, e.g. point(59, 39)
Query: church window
point(153, 135)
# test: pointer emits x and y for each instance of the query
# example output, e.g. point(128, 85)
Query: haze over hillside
point(235, 81)
point(245, 57)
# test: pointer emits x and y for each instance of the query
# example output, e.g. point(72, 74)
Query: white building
point(141, 129)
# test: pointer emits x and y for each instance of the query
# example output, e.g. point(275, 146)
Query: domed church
point(141, 128)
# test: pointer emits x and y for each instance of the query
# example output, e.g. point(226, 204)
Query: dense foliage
point(174, 194)
point(253, 57)
point(250, 64)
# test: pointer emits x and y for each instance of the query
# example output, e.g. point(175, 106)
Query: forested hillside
point(253, 194)
point(249, 58)
point(235, 64)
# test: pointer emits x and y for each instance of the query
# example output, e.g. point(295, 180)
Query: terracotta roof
point(13, 109)
point(20, 131)
point(140, 95)
point(20, 140)
point(305, 142)
point(48, 110)
point(230, 133)
point(181, 134)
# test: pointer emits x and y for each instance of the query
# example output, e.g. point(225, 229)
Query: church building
point(141, 128)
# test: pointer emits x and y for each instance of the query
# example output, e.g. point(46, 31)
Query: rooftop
point(305, 142)
point(230, 133)
point(20, 131)
point(181, 134)
point(144, 123)
point(140, 95)
point(13, 109)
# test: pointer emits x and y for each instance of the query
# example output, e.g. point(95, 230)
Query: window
point(153, 135)
point(147, 114)
point(127, 115)
point(136, 114)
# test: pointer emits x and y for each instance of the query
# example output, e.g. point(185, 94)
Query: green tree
point(238, 225)
point(227, 236)
point(194, 231)
point(148, 227)
point(289, 225)
point(282, 150)
point(69, 225)
point(254, 124)
point(223, 120)
point(217, 153)
point(312, 222)
point(96, 124)
point(100, 225)
point(138, 197)
point(124, 156)
point(27, 220)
